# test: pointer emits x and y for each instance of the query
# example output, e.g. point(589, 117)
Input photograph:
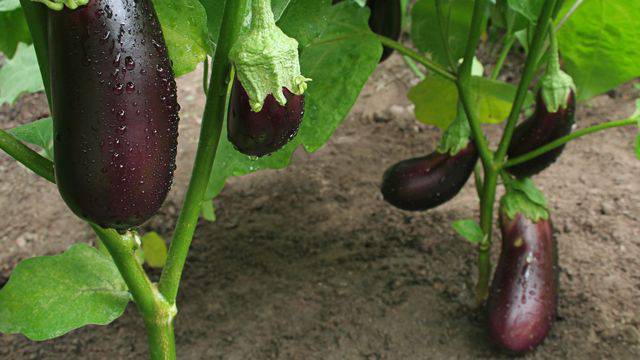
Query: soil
point(310, 263)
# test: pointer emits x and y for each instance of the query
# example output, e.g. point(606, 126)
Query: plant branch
point(212, 121)
point(530, 68)
point(506, 48)
point(431, 65)
point(414, 67)
point(156, 312)
point(27, 157)
point(565, 139)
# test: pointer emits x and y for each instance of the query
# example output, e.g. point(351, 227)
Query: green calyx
point(556, 85)
point(522, 196)
point(457, 135)
point(266, 59)
point(58, 5)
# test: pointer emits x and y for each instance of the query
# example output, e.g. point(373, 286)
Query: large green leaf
point(436, 100)
point(39, 133)
point(214, 9)
point(426, 31)
point(600, 45)
point(184, 25)
point(530, 9)
point(49, 296)
point(20, 74)
point(13, 28)
point(339, 59)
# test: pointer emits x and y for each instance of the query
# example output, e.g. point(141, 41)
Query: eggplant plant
point(279, 75)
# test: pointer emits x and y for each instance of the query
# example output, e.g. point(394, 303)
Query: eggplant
point(385, 20)
point(524, 293)
point(115, 111)
point(264, 132)
point(426, 182)
point(538, 130)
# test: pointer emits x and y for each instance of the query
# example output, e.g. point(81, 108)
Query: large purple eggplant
point(115, 111)
point(540, 129)
point(426, 182)
point(524, 293)
point(264, 132)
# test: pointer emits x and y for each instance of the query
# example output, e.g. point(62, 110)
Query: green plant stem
point(205, 75)
point(565, 139)
point(155, 310)
point(530, 68)
point(414, 67)
point(36, 15)
point(506, 48)
point(443, 24)
point(477, 175)
point(212, 121)
point(29, 158)
point(431, 65)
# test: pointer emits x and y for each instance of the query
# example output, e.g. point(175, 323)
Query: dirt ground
point(310, 263)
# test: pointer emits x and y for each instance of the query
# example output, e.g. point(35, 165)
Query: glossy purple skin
point(115, 111)
point(540, 129)
point(426, 182)
point(267, 131)
point(524, 293)
point(386, 20)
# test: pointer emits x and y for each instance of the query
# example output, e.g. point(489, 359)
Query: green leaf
point(155, 250)
point(208, 211)
point(49, 296)
point(436, 100)
point(425, 28)
point(184, 25)
point(600, 44)
point(523, 197)
point(14, 30)
point(39, 133)
point(330, 45)
point(530, 9)
point(8, 5)
point(20, 74)
point(470, 230)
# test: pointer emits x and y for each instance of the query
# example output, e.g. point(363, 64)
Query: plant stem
point(27, 157)
point(506, 48)
point(212, 121)
point(530, 68)
point(157, 313)
point(443, 24)
point(431, 65)
point(205, 74)
point(565, 139)
point(414, 67)
point(36, 15)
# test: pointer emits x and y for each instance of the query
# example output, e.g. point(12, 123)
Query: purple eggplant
point(524, 292)
point(538, 130)
point(426, 182)
point(264, 132)
point(115, 111)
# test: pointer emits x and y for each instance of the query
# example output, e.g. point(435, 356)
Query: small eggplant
point(538, 130)
point(429, 181)
point(264, 132)
point(524, 292)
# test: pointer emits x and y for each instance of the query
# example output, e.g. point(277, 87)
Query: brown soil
point(310, 263)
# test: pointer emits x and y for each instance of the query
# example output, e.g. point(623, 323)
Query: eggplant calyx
point(457, 136)
point(58, 5)
point(556, 88)
point(556, 85)
point(266, 59)
point(523, 197)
